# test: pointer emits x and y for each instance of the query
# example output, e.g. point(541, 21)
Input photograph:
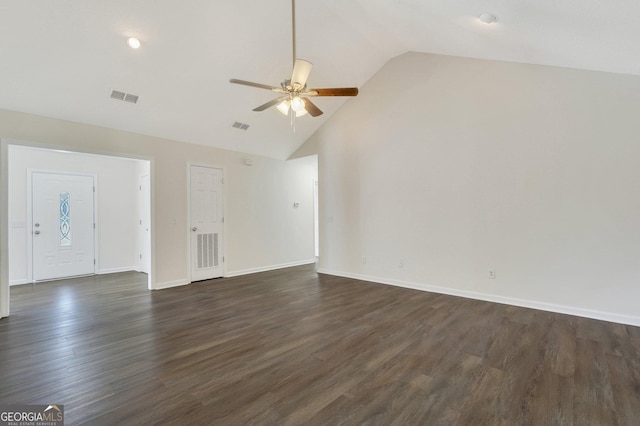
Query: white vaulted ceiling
point(61, 58)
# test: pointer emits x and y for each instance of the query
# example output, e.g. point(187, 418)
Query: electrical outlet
point(401, 264)
point(492, 274)
point(364, 260)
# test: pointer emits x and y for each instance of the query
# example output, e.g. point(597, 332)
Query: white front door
point(206, 223)
point(62, 225)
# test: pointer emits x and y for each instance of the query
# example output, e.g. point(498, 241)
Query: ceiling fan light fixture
point(297, 104)
point(283, 107)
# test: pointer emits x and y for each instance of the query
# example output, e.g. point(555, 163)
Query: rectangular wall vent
point(241, 126)
point(123, 96)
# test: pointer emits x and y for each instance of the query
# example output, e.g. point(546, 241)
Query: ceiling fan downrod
point(293, 29)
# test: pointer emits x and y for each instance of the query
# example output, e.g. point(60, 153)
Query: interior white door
point(62, 225)
point(144, 226)
point(206, 186)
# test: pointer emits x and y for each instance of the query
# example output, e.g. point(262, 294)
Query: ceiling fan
point(294, 91)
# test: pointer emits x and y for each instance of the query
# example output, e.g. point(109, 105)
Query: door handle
point(194, 229)
point(36, 225)
point(36, 232)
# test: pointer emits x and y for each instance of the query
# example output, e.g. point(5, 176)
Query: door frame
point(224, 214)
point(29, 221)
point(4, 228)
point(144, 239)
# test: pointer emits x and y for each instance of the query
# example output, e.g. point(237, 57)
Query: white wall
point(117, 206)
point(454, 166)
point(278, 236)
point(263, 226)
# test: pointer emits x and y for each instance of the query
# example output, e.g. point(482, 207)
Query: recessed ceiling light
point(134, 42)
point(488, 18)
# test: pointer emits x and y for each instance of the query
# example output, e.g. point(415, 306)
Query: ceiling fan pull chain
point(293, 119)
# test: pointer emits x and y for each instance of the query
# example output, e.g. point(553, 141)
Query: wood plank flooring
point(292, 347)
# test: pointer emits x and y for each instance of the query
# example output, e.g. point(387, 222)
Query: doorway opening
point(73, 213)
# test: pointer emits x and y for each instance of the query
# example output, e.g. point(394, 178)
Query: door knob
point(36, 232)
point(194, 229)
point(36, 225)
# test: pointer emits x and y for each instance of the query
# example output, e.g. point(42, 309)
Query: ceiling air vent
point(117, 95)
point(122, 96)
point(241, 126)
point(131, 98)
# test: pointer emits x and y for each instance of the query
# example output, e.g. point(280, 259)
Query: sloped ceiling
point(61, 58)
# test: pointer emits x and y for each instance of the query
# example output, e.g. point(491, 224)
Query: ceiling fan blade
point(301, 71)
point(252, 84)
point(334, 91)
point(311, 108)
point(271, 103)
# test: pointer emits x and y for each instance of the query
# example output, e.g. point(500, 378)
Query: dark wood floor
point(294, 347)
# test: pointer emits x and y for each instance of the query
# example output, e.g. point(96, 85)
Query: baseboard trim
point(169, 284)
point(269, 268)
point(532, 304)
point(116, 270)
point(100, 272)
